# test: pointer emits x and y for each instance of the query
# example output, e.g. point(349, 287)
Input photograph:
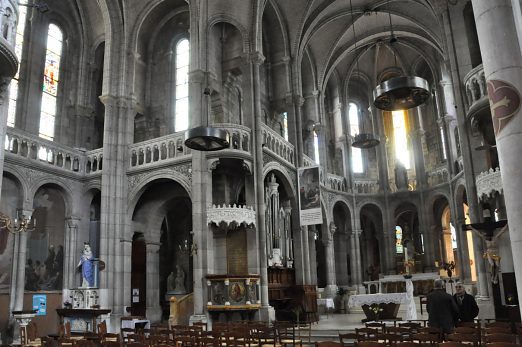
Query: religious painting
point(309, 196)
point(8, 204)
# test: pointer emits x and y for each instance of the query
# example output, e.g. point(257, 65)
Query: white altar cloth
point(379, 298)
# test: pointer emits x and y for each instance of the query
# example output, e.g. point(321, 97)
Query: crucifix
point(489, 232)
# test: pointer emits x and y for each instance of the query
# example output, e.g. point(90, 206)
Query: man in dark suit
point(442, 309)
point(468, 308)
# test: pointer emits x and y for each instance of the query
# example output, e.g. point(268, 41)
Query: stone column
point(358, 265)
point(312, 235)
point(72, 255)
point(4, 98)
point(331, 280)
point(502, 61)
point(20, 253)
point(382, 156)
point(462, 251)
point(118, 129)
point(153, 309)
point(256, 59)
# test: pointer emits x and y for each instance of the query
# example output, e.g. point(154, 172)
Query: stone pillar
point(118, 129)
point(153, 309)
point(4, 98)
point(462, 251)
point(357, 261)
point(382, 156)
point(502, 61)
point(20, 253)
point(72, 255)
point(255, 60)
point(331, 280)
point(312, 235)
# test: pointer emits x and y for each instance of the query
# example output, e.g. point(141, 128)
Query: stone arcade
point(95, 99)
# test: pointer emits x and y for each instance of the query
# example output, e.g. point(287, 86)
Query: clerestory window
point(181, 121)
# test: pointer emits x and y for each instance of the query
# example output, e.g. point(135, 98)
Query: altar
point(379, 306)
point(82, 320)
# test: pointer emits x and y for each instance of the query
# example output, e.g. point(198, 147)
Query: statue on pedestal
point(86, 266)
point(179, 281)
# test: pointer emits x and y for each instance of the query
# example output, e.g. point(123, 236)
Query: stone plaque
point(237, 262)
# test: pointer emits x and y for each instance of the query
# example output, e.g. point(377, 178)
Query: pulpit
point(379, 306)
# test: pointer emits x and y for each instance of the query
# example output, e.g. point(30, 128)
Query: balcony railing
point(24, 145)
point(93, 161)
point(367, 186)
point(158, 150)
point(438, 176)
point(277, 145)
point(336, 182)
point(476, 89)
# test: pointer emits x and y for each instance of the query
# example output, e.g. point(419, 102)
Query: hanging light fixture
point(401, 92)
point(206, 138)
point(362, 140)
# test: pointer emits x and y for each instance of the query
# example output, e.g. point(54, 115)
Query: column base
point(153, 314)
point(330, 291)
point(266, 314)
point(195, 318)
point(486, 307)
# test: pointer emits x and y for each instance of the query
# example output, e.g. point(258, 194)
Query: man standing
point(468, 308)
point(442, 309)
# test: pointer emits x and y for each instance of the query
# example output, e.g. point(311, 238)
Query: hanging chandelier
point(21, 223)
point(401, 92)
point(362, 140)
point(207, 139)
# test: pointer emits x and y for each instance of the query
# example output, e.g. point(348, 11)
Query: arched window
point(316, 148)
point(398, 240)
point(401, 138)
point(285, 125)
point(13, 88)
point(443, 143)
point(182, 86)
point(353, 117)
point(50, 82)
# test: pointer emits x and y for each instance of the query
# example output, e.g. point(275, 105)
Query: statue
point(86, 266)
point(171, 284)
point(491, 253)
point(179, 282)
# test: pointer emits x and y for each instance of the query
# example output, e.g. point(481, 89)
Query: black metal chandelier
point(207, 139)
point(363, 140)
point(401, 92)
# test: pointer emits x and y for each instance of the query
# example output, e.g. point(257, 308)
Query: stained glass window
point(353, 117)
point(398, 240)
point(401, 138)
point(50, 81)
point(182, 86)
point(13, 88)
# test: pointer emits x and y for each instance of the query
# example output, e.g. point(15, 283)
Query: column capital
point(72, 221)
point(256, 58)
point(197, 76)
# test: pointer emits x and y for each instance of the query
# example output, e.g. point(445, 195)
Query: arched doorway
point(371, 242)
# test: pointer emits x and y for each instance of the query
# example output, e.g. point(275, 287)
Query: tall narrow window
point(13, 88)
point(285, 125)
point(182, 87)
point(443, 143)
point(398, 240)
point(50, 82)
point(316, 148)
point(401, 140)
point(353, 116)
point(454, 244)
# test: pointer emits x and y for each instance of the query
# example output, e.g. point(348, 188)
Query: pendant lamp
point(401, 92)
point(362, 140)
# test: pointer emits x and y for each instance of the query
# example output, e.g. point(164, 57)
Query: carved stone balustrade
point(93, 161)
point(277, 145)
point(239, 136)
point(20, 144)
point(231, 216)
point(307, 161)
point(158, 150)
point(336, 182)
point(489, 183)
point(366, 186)
point(438, 176)
point(476, 89)
point(233, 292)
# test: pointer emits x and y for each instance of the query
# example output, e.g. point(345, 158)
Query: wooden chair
point(366, 334)
point(426, 338)
point(286, 334)
point(328, 344)
point(466, 330)
point(381, 327)
point(184, 341)
point(407, 344)
point(266, 336)
point(405, 332)
point(500, 338)
point(452, 344)
point(348, 339)
point(390, 339)
point(370, 344)
point(304, 333)
point(498, 324)
point(465, 338)
point(496, 330)
point(502, 344)
point(111, 344)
